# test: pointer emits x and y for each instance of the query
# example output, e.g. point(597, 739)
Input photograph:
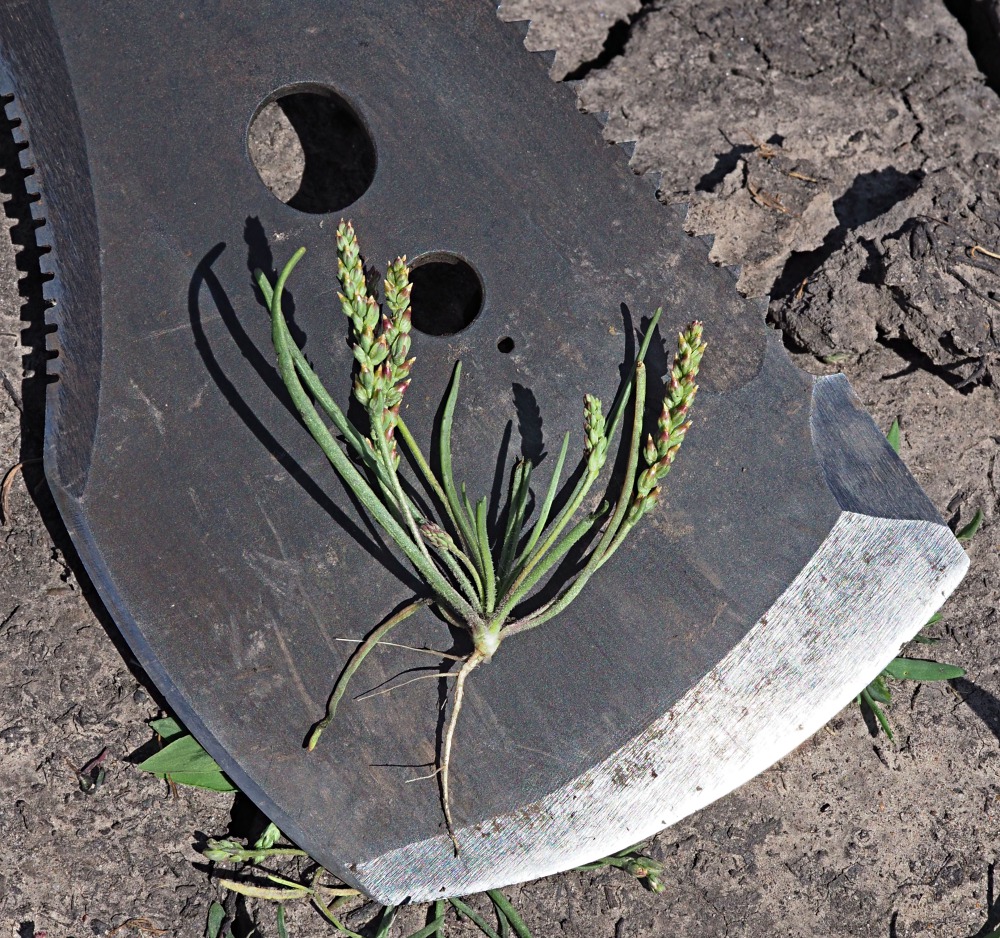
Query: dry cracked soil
point(846, 154)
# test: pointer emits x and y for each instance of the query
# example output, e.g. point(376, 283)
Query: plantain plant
point(878, 693)
point(475, 584)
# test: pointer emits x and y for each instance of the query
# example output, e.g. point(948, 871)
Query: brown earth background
point(846, 153)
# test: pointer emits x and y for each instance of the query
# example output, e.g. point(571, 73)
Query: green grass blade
point(503, 925)
point(621, 400)
point(517, 501)
point(879, 715)
point(504, 905)
point(317, 388)
point(473, 916)
point(385, 922)
point(280, 923)
point(324, 910)
point(426, 472)
point(473, 591)
point(435, 926)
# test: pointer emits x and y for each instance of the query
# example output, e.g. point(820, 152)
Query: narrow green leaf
point(282, 931)
point(503, 924)
point(187, 763)
point(473, 916)
point(447, 474)
point(425, 470)
point(324, 910)
point(625, 391)
point(916, 669)
point(489, 576)
point(892, 437)
point(967, 533)
point(517, 501)
point(937, 617)
point(504, 905)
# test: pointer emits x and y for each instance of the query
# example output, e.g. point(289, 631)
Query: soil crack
point(615, 43)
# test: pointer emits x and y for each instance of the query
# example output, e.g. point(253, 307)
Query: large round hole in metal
point(447, 294)
point(312, 150)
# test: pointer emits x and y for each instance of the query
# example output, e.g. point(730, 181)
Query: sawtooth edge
point(652, 178)
point(45, 261)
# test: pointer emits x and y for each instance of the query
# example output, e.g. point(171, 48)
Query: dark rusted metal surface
point(220, 539)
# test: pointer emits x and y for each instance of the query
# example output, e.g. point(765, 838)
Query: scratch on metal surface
point(154, 411)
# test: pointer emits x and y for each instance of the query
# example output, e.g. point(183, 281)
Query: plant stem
point(354, 662)
point(395, 485)
point(506, 908)
point(445, 592)
point(316, 387)
point(426, 471)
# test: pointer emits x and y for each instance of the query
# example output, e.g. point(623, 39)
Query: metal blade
point(792, 555)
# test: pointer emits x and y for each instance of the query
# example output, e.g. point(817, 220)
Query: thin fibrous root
point(425, 651)
point(471, 663)
point(412, 680)
point(423, 778)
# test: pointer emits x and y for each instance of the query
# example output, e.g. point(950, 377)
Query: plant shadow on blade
point(488, 587)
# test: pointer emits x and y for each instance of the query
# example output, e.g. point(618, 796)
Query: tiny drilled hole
point(505, 345)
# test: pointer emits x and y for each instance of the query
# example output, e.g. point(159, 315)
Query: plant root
point(471, 663)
